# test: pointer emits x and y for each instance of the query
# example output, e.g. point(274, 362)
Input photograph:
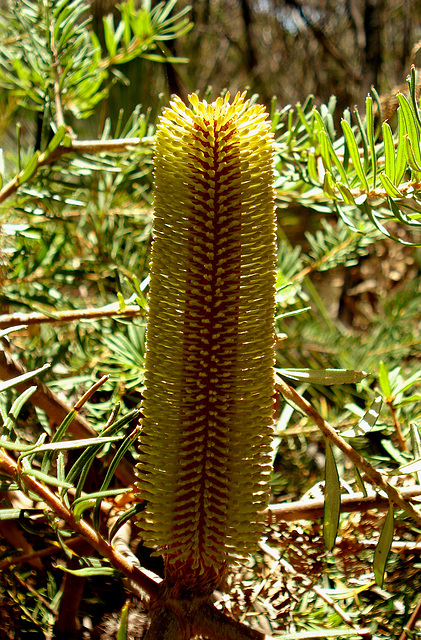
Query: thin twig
point(79, 147)
point(412, 621)
point(109, 311)
point(313, 509)
point(373, 476)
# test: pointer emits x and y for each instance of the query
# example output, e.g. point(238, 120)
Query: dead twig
point(110, 311)
point(350, 503)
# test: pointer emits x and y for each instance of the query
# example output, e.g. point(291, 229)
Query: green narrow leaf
point(370, 136)
point(336, 161)
point(124, 621)
point(16, 408)
point(354, 153)
point(108, 26)
point(389, 151)
point(111, 471)
point(312, 167)
point(329, 185)
point(346, 193)
point(360, 481)
point(382, 550)
point(400, 155)
point(409, 467)
point(30, 168)
point(8, 384)
point(89, 571)
point(43, 477)
point(384, 380)
point(137, 508)
point(46, 461)
point(363, 138)
point(323, 376)
point(410, 155)
point(389, 187)
point(413, 94)
point(416, 445)
point(411, 126)
point(324, 150)
point(89, 500)
point(54, 142)
point(332, 503)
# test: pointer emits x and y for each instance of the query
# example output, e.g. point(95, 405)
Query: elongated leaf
point(18, 446)
point(15, 409)
point(354, 153)
point(416, 445)
point(346, 193)
point(389, 151)
point(43, 477)
point(86, 502)
point(332, 503)
point(410, 467)
point(367, 422)
point(323, 376)
point(54, 142)
point(360, 481)
point(137, 508)
point(5, 332)
point(111, 471)
point(13, 382)
point(324, 150)
point(407, 382)
point(58, 435)
point(10, 514)
point(89, 571)
point(30, 168)
point(74, 444)
point(410, 155)
point(329, 185)
point(124, 620)
point(400, 155)
point(370, 136)
point(389, 187)
point(382, 550)
point(384, 380)
point(411, 126)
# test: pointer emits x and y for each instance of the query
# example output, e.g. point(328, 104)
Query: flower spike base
point(209, 382)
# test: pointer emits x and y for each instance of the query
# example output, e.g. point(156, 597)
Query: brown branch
point(350, 503)
point(373, 476)
point(57, 410)
point(79, 147)
point(133, 573)
point(15, 319)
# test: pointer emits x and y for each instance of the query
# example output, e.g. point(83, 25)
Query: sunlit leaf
point(332, 501)
point(382, 550)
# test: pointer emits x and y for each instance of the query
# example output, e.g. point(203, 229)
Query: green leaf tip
point(209, 380)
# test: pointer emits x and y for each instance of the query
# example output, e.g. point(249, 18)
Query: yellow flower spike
point(208, 402)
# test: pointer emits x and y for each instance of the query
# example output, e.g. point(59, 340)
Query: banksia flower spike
point(208, 401)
